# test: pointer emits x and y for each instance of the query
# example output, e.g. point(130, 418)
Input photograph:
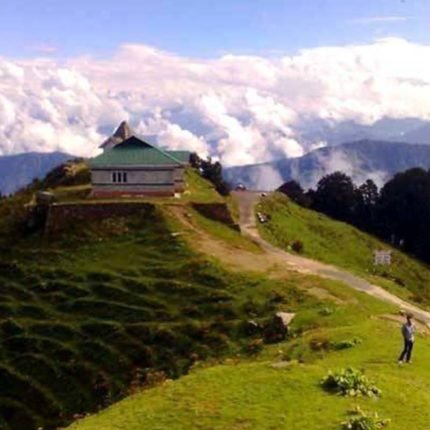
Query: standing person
point(408, 332)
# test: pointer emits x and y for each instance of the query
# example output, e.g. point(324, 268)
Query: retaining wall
point(60, 216)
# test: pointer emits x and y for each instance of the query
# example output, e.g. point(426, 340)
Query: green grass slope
point(280, 388)
point(342, 245)
point(108, 306)
point(80, 316)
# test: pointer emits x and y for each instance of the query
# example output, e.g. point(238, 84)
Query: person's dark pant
point(407, 351)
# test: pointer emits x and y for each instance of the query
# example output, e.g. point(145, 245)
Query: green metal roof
point(182, 156)
point(136, 152)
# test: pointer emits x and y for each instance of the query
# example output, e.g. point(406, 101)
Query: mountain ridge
point(19, 170)
point(363, 159)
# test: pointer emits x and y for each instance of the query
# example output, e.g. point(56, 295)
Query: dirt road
point(247, 201)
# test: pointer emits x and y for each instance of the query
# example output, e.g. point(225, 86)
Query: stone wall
point(217, 212)
point(60, 216)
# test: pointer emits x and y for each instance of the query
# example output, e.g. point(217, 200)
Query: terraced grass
point(280, 388)
point(88, 315)
point(342, 245)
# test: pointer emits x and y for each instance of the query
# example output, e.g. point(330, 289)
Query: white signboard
point(381, 258)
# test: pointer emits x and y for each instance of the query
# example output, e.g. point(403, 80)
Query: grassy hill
point(280, 387)
point(342, 245)
point(105, 307)
point(109, 309)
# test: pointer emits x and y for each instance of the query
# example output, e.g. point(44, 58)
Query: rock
point(177, 233)
point(252, 327)
point(277, 329)
point(285, 317)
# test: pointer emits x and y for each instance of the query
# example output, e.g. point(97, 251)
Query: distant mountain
point(378, 160)
point(403, 130)
point(16, 171)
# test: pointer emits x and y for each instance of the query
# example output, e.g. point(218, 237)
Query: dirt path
point(236, 258)
point(247, 201)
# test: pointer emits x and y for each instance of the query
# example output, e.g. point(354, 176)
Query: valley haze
point(362, 160)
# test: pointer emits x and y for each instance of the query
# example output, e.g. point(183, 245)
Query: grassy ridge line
point(342, 245)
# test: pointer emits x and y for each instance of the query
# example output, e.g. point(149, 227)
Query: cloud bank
point(240, 109)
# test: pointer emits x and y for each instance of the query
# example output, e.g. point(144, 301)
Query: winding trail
point(247, 201)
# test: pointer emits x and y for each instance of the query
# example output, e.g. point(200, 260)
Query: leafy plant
point(326, 311)
point(350, 382)
point(324, 344)
point(345, 344)
point(361, 420)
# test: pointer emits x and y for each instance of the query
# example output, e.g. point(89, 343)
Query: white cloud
point(242, 109)
point(337, 161)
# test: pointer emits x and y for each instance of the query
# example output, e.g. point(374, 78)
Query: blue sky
point(202, 28)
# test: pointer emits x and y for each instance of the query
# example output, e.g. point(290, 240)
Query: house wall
point(138, 177)
point(140, 181)
point(162, 181)
point(179, 179)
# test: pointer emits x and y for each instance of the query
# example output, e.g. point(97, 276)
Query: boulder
point(277, 329)
point(285, 318)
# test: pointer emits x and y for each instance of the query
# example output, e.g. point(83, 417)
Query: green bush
point(350, 382)
point(298, 246)
point(10, 328)
point(254, 346)
point(345, 344)
point(360, 420)
point(325, 312)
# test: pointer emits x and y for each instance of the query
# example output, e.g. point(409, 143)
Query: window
point(119, 177)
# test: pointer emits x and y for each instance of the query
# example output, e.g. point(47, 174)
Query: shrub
point(345, 344)
point(254, 346)
point(350, 382)
point(326, 311)
point(298, 246)
point(360, 420)
point(11, 328)
point(320, 343)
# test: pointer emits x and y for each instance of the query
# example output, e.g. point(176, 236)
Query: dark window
point(119, 177)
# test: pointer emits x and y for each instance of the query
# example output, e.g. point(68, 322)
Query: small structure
point(382, 258)
point(130, 166)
